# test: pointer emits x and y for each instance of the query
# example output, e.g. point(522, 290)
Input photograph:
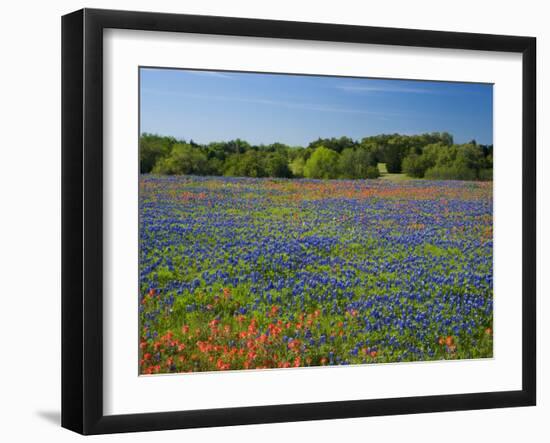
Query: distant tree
point(183, 159)
point(372, 172)
point(216, 150)
point(249, 164)
point(485, 174)
point(151, 149)
point(297, 166)
point(276, 165)
point(346, 164)
point(365, 161)
point(430, 155)
point(470, 156)
point(395, 151)
point(281, 148)
point(355, 163)
point(455, 162)
point(372, 148)
point(323, 163)
point(452, 172)
point(215, 166)
point(414, 165)
point(337, 144)
point(446, 138)
point(237, 146)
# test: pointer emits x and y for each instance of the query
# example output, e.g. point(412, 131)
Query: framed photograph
point(269, 221)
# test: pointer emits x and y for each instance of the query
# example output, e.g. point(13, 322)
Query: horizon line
point(293, 145)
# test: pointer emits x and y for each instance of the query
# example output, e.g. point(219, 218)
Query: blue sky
point(211, 106)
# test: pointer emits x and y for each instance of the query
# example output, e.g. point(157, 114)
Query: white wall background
point(30, 189)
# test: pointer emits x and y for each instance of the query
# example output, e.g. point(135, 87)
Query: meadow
point(245, 273)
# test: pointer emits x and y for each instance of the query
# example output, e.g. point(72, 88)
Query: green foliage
point(323, 163)
point(456, 162)
point(414, 165)
point(357, 163)
point(297, 166)
point(336, 144)
point(394, 153)
point(151, 149)
point(450, 172)
point(486, 174)
point(276, 165)
point(346, 163)
point(372, 172)
point(391, 149)
point(431, 155)
point(249, 164)
point(183, 159)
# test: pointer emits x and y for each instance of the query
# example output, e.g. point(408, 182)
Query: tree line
point(433, 156)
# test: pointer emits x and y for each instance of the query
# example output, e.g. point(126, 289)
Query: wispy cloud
point(387, 89)
point(319, 107)
point(215, 74)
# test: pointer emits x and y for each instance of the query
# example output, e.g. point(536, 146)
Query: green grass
point(385, 175)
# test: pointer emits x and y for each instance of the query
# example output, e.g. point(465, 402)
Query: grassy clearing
point(385, 175)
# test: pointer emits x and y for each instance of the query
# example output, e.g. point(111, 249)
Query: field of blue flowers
point(243, 273)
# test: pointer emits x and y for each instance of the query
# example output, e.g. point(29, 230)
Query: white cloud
point(320, 107)
point(216, 74)
point(390, 89)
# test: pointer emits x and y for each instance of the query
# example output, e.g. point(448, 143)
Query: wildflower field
point(244, 273)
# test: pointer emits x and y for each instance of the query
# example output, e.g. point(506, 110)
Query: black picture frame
point(82, 218)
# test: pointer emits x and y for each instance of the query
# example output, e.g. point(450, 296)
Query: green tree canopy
point(151, 149)
point(183, 159)
point(249, 164)
point(276, 165)
point(297, 166)
point(323, 163)
point(455, 162)
point(430, 155)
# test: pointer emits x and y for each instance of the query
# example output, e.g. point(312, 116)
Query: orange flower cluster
point(242, 344)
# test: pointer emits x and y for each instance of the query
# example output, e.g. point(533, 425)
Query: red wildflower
point(221, 365)
point(294, 345)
